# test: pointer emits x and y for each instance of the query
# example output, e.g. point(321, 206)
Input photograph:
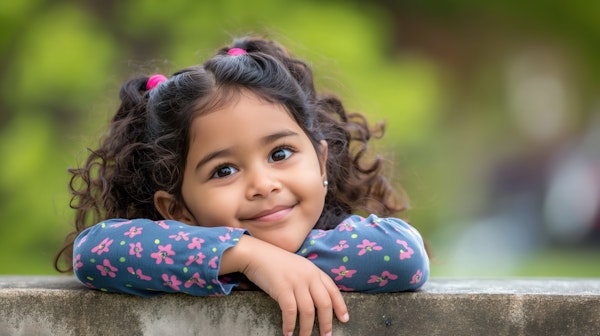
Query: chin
point(289, 246)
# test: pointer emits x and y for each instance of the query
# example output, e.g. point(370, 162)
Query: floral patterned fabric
point(145, 257)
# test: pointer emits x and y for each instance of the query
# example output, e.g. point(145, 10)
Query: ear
point(323, 158)
point(170, 208)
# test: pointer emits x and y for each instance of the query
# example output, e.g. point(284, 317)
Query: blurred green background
point(492, 111)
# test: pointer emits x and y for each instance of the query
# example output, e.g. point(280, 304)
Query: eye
point(223, 171)
point(280, 154)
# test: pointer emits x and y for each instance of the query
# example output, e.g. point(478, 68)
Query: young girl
point(237, 173)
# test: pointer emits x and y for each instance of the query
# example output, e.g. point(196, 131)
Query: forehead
point(242, 117)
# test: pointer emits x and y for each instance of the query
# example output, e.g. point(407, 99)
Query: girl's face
point(251, 166)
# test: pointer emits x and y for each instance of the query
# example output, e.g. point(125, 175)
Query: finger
point(337, 300)
point(323, 303)
point(306, 312)
point(289, 312)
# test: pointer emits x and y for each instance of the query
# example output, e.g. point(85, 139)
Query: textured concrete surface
point(61, 306)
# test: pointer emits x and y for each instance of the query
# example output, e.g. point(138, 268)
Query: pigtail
point(299, 70)
point(109, 184)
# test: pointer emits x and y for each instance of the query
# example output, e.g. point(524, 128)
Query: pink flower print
point(198, 258)
point(345, 289)
point(195, 280)
point(179, 236)
point(135, 249)
point(77, 262)
point(225, 237)
point(196, 243)
point(162, 224)
point(139, 274)
point(383, 278)
point(340, 246)
point(342, 272)
point(368, 246)
point(416, 278)
point(405, 252)
point(103, 246)
point(133, 231)
point(163, 254)
point(107, 269)
point(172, 282)
point(116, 225)
point(346, 226)
point(319, 234)
point(312, 256)
point(376, 225)
point(213, 262)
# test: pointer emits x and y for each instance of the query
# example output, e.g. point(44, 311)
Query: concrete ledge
point(61, 306)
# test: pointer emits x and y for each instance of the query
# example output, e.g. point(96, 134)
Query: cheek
point(215, 210)
point(208, 207)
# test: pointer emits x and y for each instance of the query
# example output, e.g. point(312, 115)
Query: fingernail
point(289, 334)
point(345, 318)
point(328, 334)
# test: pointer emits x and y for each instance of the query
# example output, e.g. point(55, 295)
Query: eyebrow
point(227, 151)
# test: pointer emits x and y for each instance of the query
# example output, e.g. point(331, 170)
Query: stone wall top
point(55, 305)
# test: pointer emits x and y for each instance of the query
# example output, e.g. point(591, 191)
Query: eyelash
point(229, 165)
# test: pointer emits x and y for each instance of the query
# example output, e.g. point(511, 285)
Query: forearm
point(145, 257)
point(370, 255)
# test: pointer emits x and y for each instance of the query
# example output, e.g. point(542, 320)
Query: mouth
point(272, 215)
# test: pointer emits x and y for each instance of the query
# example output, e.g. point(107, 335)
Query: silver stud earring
point(325, 183)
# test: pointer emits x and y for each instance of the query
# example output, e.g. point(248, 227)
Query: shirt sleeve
point(371, 255)
point(146, 258)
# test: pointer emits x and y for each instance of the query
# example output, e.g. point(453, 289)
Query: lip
point(272, 214)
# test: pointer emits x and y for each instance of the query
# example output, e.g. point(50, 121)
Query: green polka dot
point(303, 251)
point(103, 225)
point(90, 278)
point(122, 259)
point(386, 258)
point(214, 249)
point(156, 241)
point(122, 242)
point(209, 287)
point(312, 242)
point(93, 261)
point(354, 236)
point(104, 289)
point(128, 285)
point(345, 259)
point(236, 239)
point(185, 270)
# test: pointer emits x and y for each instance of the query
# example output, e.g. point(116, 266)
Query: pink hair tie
point(236, 52)
point(154, 80)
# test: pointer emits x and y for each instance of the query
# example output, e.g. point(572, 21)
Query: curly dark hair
point(146, 145)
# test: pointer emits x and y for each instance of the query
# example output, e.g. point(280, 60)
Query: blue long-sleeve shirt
point(146, 257)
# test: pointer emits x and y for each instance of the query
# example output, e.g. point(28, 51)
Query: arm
point(370, 255)
point(145, 257)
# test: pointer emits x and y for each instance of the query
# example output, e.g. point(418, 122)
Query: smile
point(272, 215)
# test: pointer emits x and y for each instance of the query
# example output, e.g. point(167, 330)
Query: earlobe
point(170, 208)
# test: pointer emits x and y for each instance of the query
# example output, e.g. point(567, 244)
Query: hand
point(293, 281)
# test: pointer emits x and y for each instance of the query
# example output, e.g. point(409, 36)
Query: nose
point(261, 182)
